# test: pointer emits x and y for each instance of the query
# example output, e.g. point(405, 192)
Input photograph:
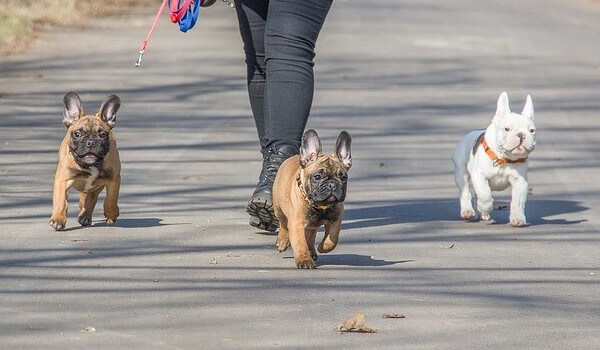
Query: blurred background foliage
point(21, 20)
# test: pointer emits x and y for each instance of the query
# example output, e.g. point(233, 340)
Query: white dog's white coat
point(510, 136)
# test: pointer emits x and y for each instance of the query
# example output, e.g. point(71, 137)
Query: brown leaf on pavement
point(393, 316)
point(356, 323)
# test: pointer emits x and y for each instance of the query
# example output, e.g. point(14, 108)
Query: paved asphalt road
point(182, 269)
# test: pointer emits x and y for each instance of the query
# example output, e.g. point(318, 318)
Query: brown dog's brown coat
point(299, 218)
point(89, 181)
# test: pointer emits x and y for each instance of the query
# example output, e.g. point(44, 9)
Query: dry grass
point(20, 20)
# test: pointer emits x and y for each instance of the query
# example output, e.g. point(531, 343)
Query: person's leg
point(292, 30)
point(252, 17)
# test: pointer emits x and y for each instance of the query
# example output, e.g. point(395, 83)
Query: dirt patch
point(22, 20)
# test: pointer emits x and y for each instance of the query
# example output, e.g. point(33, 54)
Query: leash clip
point(497, 162)
point(139, 61)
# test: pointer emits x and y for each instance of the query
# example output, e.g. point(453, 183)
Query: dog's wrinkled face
point(89, 140)
point(326, 181)
point(89, 135)
point(515, 133)
point(325, 177)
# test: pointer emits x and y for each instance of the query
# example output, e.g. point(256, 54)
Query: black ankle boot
point(260, 206)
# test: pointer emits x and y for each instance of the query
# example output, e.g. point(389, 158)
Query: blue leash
point(190, 17)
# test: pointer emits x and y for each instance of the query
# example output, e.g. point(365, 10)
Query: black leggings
point(279, 40)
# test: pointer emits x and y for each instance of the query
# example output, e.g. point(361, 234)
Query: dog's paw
point(314, 256)
point(467, 214)
point(486, 217)
point(84, 220)
point(111, 221)
point(518, 220)
point(58, 223)
point(282, 244)
point(306, 263)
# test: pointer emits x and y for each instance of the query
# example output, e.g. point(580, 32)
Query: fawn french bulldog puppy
point(88, 161)
point(495, 159)
point(309, 192)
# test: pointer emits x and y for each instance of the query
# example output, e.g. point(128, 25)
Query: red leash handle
point(178, 12)
point(145, 42)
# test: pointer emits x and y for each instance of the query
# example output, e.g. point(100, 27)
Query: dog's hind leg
point(463, 182)
point(87, 203)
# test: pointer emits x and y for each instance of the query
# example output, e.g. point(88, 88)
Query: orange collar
point(498, 161)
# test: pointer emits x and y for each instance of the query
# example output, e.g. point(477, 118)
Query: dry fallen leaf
point(356, 323)
point(393, 316)
point(448, 247)
point(214, 261)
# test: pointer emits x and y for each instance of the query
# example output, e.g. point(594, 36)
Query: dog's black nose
point(331, 185)
point(89, 143)
point(521, 135)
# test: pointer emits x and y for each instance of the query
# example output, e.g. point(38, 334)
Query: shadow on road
point(447, 210)
point(127, 223)
point(355, 260)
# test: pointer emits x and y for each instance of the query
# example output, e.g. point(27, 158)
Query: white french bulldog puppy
point(493, 160)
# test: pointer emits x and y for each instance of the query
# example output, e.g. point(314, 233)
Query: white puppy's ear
point(503, 107)
point(528, 109)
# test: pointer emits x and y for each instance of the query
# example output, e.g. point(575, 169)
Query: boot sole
point(262, 214)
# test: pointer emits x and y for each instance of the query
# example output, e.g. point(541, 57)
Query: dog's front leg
point(299, 244)
point(517, 203)
point(111, 208)
point(59, 203)
point(87, 203)
point(485, 201)
point(332, 234)
point(311, 236)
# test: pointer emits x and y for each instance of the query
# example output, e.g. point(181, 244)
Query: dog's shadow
point(538, 210)
point(419, 211)
point(355, 260)
point(125, 223)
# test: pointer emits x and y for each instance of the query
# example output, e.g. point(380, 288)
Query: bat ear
point(108, 110)
point(310, 149)
point(73, 108)
point(528, 109)
point(502, 108)
point(342, 149)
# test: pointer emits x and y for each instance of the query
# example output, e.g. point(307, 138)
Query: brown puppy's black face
point(89, 135)
point(326, 181)
point(325, 178)
point(89, 141)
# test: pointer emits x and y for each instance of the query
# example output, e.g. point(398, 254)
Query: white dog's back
point(464, 150)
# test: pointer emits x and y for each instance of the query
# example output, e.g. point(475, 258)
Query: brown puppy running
point(88, 160)
point(308, 192)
